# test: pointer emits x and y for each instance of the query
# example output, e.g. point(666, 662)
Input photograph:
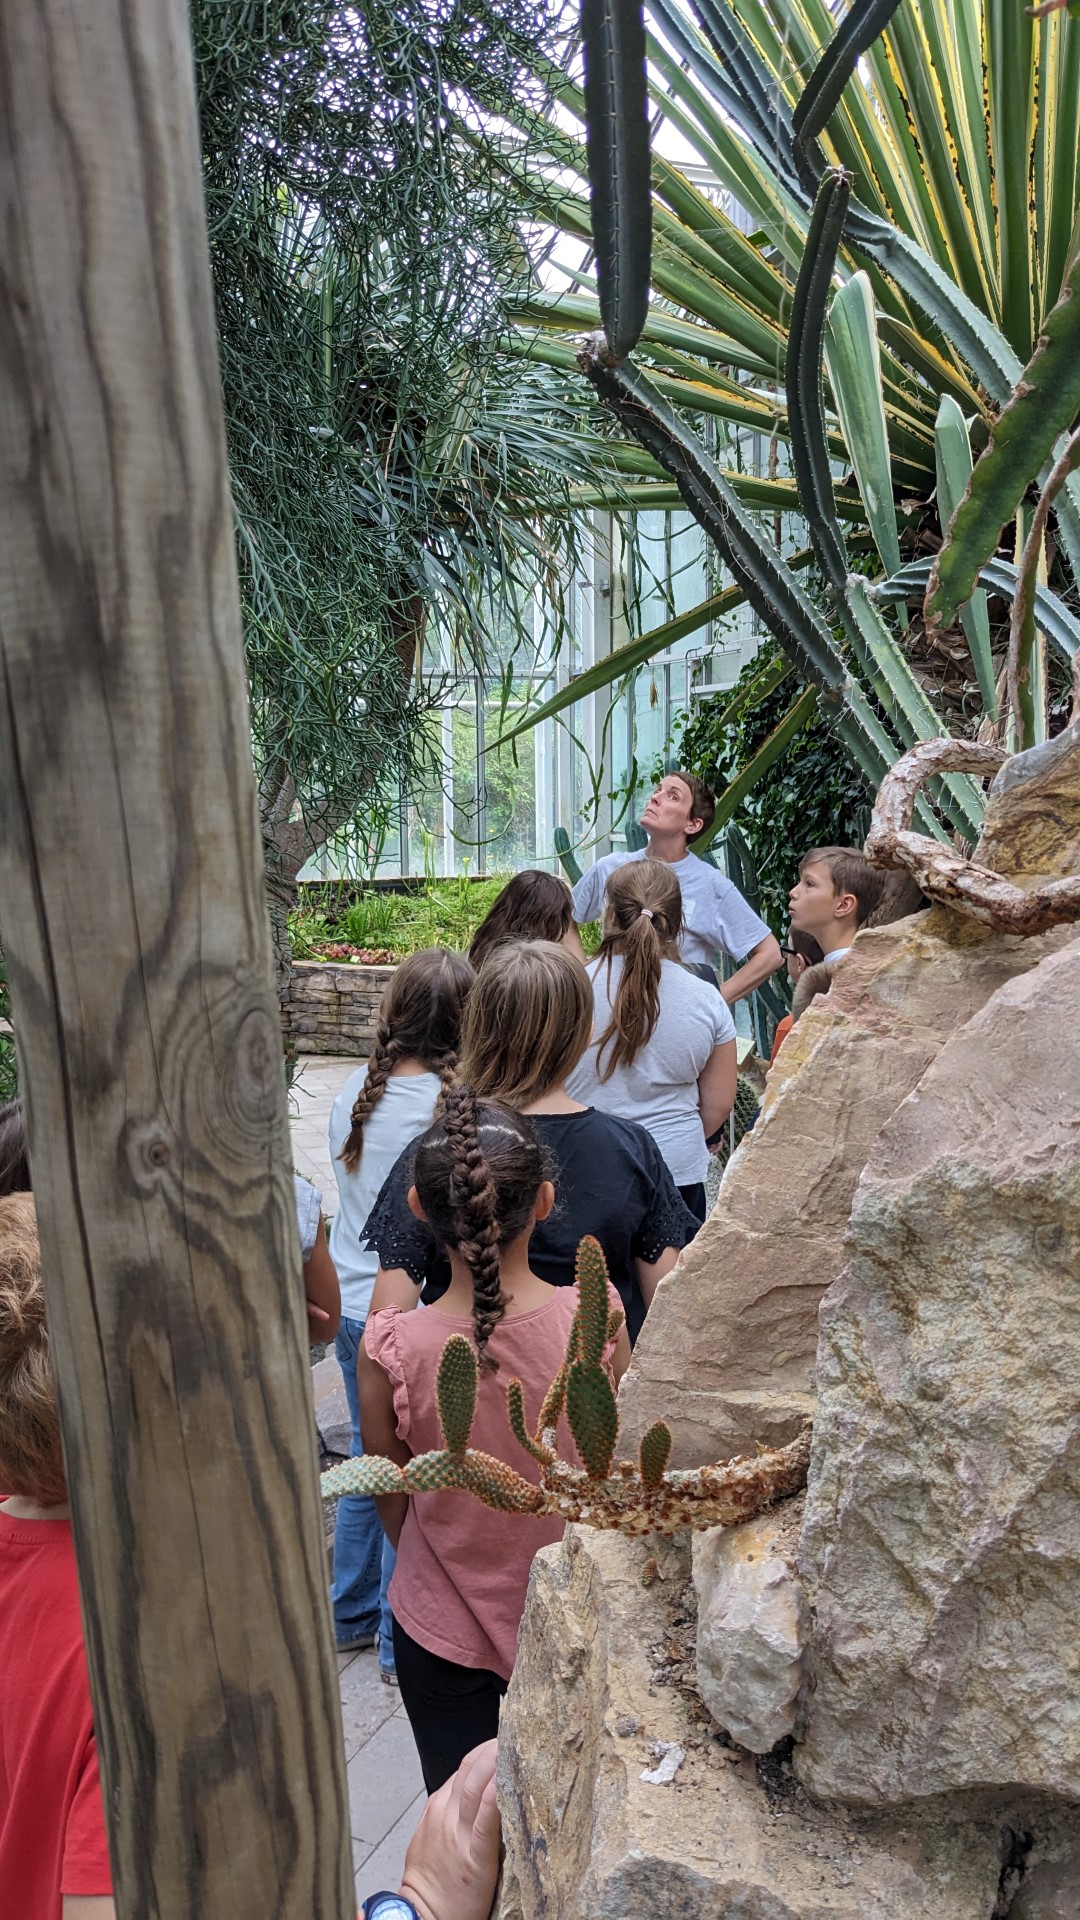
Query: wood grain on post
point(135, 929)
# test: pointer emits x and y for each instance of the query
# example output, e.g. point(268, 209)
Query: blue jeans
point(363, 1556)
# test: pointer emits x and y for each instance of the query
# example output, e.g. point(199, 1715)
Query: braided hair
point(419, 1019)
point(478, 1170)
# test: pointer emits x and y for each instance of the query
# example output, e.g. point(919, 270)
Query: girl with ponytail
point(481, 1182)
point(380, 1110)
point(663, 1051)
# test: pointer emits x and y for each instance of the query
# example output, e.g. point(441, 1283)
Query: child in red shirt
point(54, 1861)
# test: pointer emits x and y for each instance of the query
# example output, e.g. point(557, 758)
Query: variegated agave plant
point(633, 1498)
point(906, 302)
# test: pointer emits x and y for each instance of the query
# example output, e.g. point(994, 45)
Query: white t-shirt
point(308, 1213)
point(659, 1090)
point(716, 918)
point(403, 1113)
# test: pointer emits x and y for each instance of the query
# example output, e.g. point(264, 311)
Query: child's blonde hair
point(527, 1024)
point(31, 1457)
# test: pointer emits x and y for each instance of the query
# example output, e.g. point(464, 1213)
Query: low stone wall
point(333, 1006)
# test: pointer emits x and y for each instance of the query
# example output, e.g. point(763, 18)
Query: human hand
point(453, 1859)
point(317, 1318)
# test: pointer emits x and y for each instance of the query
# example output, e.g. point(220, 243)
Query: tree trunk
point(136, 938)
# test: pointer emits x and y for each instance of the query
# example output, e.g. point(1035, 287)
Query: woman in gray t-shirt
point(663, 1048)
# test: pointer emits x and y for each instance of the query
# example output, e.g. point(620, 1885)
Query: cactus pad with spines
point(498, 1486)
point(380, 1476)
point(593, 1417)
point(654, 1454)
point(634, 1500)
point(590, 1271)
point(515, 1409)
point(555, 1397)
point(431, 1472)
point(455, 1391)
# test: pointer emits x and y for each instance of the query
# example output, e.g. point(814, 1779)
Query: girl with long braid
point(380, 1110)
point(481, 1182)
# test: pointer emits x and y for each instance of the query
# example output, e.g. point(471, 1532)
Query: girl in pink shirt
point(459, 1587)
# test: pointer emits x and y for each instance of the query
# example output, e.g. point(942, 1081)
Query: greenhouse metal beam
point(135, 930)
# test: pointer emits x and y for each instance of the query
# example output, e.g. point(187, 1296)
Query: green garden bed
point(374, 927)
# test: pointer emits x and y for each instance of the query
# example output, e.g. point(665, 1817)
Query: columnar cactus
point(632, 1499)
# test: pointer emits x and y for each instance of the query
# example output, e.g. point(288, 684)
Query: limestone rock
point(729, 1836)
point(941, 1545)
point(727, 1351)
point(1048, 1890)
point(1032, 824)
point(751, 1628)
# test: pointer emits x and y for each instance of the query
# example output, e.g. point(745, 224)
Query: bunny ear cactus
point(654, 1454)
point(634, 1500)
point(455, 1391)
point(590, 1397)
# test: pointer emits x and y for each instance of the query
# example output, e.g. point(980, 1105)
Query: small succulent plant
point(603, 1492)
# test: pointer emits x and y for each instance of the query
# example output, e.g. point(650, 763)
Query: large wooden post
point(135, 928)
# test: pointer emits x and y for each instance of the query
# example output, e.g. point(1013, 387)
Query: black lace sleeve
point(667, 1220)
point(393, 1231)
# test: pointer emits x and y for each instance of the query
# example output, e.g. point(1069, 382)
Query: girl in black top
point(528, 1022)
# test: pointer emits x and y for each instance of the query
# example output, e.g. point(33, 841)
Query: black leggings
point(695, 1198)
point(451, 1709)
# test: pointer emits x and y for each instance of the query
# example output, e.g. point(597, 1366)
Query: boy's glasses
point(791, 953)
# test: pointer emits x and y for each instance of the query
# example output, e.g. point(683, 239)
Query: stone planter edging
point(333, 1006)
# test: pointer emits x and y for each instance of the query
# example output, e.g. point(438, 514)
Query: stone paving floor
point(386, 1790)
point(318, 1082)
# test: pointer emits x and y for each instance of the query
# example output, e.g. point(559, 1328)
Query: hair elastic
point(646, 914)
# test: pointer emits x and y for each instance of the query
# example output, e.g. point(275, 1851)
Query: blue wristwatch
point(389, 1906)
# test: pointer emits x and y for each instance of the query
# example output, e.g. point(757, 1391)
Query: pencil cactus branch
point(617, 144)
point(631, 1499)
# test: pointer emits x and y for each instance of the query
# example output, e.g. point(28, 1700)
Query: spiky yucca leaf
point(654, 1453)
point(1045, 403)
point(953, 458)
point(455, 1391)
point(593, 1417)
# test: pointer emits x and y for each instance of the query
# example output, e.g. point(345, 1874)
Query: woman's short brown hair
point(31, 1457)
point(702, 800)
point(527, 1024)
